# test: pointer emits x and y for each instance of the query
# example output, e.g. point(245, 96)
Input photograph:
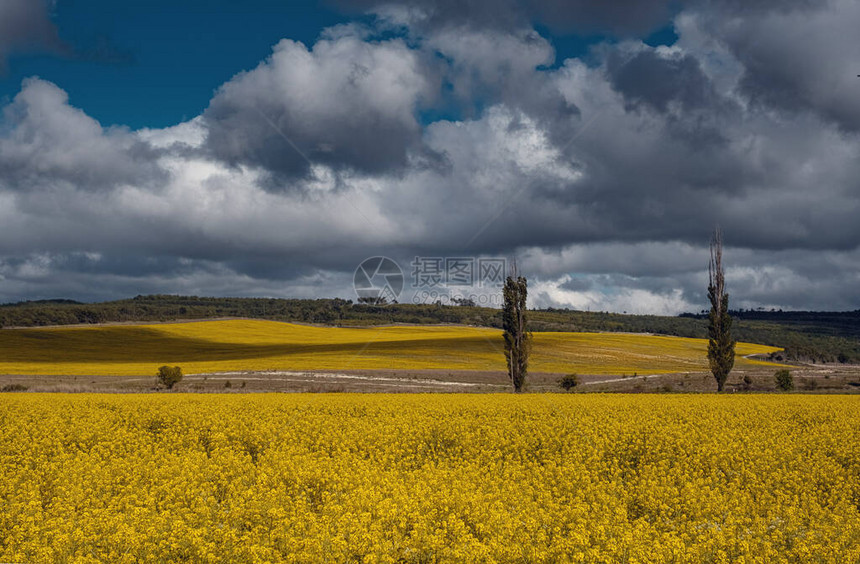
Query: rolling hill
point(258, 345)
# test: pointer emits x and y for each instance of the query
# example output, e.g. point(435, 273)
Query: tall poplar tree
point(515, 325)
point(721, 346)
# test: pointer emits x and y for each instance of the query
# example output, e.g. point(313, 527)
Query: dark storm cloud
point(796, 57)
point(578, 284)
point(97, 278)
point(622, 17)
point(487, 67)
point(345, 103)
point(783, 279)
point(605, 178)
point(25, 27)
point(655, 81)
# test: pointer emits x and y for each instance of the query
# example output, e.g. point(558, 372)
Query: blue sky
point(154, 63)
point(599, 143)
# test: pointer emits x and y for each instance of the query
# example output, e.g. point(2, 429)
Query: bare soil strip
point(814, 379)
point(314, 376)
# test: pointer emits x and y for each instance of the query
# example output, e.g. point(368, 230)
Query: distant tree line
point(806, 336)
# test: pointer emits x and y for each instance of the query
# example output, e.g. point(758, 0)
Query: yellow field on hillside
point(219, 346)
point(475, 478)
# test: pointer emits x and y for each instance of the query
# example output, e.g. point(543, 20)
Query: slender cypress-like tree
point(721, 346)
point(515, 325)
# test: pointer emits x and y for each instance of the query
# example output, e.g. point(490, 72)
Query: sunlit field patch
point(438, 478)
point(216, 346)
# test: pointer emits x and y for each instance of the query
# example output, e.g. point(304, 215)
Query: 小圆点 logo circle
point(378, 280)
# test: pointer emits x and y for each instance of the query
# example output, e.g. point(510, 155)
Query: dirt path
point(627, 379)
point(285, 376)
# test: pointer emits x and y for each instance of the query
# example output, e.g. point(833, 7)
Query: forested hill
point(839, 323)
point(811, 336)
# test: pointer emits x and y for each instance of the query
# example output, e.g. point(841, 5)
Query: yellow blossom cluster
point(254, 344)
point(429, 478)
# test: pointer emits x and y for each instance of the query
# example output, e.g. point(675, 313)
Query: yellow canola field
point(429, 479)
point(219, 346)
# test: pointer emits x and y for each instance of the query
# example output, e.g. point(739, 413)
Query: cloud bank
point(454, 129)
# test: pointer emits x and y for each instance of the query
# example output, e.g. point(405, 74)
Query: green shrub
point(784, 380)
point(569, 381)
point(169, 376)
point(14, 388)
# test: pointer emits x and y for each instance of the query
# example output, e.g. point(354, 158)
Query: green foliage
point(721, 346)
point(516, 334)
point(569, 381)
point(169, 376)
point(784, 380)
point(806, 336)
